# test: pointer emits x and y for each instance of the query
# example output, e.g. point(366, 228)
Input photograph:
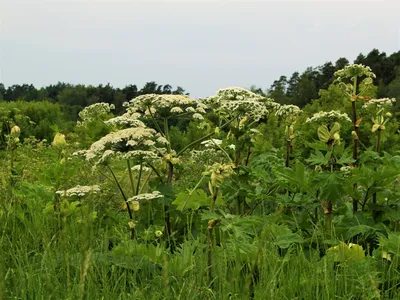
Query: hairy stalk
point(166, 131)
point(156, 172)
point(130, 177)
point(357, 131)
point(166, 206)
point(211, 225)
point(377, 149)
point(126, 202)
point(155, 122)
point(288, 150)
point(145, 182)
point(248, 156)
point(139, 178)
point(378, 141)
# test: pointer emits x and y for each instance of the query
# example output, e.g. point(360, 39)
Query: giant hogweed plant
point(288, 114)
point(141, 138)
point(327, 164)
point(354, 80)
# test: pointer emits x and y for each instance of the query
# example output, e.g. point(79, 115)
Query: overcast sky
point(199, 45)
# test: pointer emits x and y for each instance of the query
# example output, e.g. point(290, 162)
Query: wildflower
point(288, 110)
point(130, 120)
point(162, 106)
point(190, 109)
point(328, 117)
point(354, 70)
point(137, 168)
point(146, 196)
point(178, 110)
point(91, 112)
point(211, 143)
point(129, 143)
point(346, 170)
point(198, 116)
point(235, 100)
point(80, 191)
point(158, 233)
point(379, 103)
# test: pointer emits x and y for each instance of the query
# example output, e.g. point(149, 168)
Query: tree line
point(83, 95)
point(302, 88)
point(299, 89)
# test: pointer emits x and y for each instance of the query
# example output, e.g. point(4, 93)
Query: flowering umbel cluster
point(348, 78)
point(354, 70)
point(94, 111)
point(140, 143)
point(80, 191)
point(146, 196)
point(288, 110)
point(379, 103)
point(166, 106)
point(379, 110)
point(236, 100)
point(328, 117)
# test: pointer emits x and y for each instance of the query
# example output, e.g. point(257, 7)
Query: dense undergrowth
point(229, 197)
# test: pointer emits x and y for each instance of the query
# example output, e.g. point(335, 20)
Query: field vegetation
point(241, 195)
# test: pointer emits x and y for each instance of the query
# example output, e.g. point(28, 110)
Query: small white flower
point(198, 116)
point(328, 116)
point(176, 109)
point(190, 109)
point(80, 191)
point(211, 143)
point(146, 196)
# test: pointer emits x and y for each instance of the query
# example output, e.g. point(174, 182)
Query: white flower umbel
point(238, 101)
point(354, 70)
point(130, 143)
point(137, 168)
point(212, 143)
point(146, 196)
point(126, 120)
point(288, 110)
point(94, 111)
point(165, 106)
point(80, 191)
point(328, 117)
point(379, 103)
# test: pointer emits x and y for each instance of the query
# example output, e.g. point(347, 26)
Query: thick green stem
point(211, 225)
point(287, 160)
point(155, 171)
point(377, 149)
point(356, 130)
point(139, 178)
point(166, 206)
point(378, 141)
point(126, 201)
point(166, 131)
point(130, 177)
point(155, 121)
point(248, 156)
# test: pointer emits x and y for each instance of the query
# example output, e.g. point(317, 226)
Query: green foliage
point(234, 206)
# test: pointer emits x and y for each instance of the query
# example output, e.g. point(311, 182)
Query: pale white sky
point(199, 45)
